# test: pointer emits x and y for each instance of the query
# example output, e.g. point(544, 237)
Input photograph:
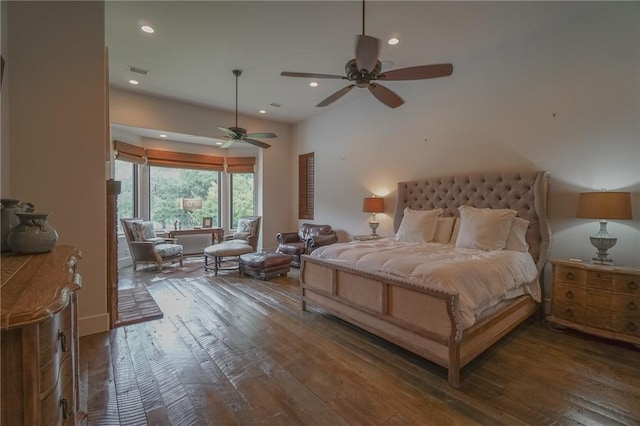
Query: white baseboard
point(94, 324)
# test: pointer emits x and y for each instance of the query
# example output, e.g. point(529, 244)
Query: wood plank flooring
point(233, 350)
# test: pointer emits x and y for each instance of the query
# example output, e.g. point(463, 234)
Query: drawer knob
point(569, 294)
point(632, 327)
point(570, 276)
point(569, 313)
point(65, 408)
point(63, 340)
point(632, 285)
point(632, 306)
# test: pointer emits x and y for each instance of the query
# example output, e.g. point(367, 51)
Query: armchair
point(248, 231)
point(145, 247)
point(308, 238)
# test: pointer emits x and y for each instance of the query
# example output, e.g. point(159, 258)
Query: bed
point(430, 320)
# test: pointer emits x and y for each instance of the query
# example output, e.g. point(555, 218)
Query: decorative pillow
point(418, 226)
point(517, 235)
point(444, 227)
point(456, 230)
point(143, 231)
point(485, 229)
point(247, 226)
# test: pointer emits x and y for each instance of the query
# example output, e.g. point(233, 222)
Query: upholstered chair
point(309, 237)
point(248, 231)
point(146, 247)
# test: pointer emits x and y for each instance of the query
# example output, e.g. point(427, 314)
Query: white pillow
point(444, 227)
point(456, 230)
point(486, 229)
point(418, 226)
point(517, 235)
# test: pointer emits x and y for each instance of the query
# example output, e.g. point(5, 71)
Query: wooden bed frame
point(427, 321)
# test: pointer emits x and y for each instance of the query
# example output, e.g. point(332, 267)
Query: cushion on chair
point(293, 248)
point(247, 226)
point(143, 231)
point(168, 250)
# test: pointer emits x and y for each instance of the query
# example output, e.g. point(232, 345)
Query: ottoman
point(265, 264)
point(218, 251)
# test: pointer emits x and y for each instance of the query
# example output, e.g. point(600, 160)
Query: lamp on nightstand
point(603, 206)
point(373, 205)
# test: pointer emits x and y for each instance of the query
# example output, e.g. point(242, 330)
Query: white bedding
point(481, 278)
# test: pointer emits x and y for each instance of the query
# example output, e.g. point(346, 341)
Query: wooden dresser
point(597, 299)
point(39, 365)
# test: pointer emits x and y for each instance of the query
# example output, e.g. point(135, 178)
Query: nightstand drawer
point(599, 280)
point(626, 324)
point(569, 275)
point(569, 312)
point(629, 284)
point(568, 295)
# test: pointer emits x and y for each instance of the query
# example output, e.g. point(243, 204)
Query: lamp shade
point(604, 205)
point(373, 205)
point(191, 204)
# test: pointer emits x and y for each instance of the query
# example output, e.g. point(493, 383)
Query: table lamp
point(373, 205)
point(603, 206)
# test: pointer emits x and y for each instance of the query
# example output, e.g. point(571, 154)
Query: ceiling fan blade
point(228, 143)
point(367, 49)
point(229, 132)
point(311, 75)
point(386, 96)
point(262, 135)
point(256, 143)
point(337, 95)
point(418, 73)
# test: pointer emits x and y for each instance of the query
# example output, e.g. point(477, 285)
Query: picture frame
point(207, 222)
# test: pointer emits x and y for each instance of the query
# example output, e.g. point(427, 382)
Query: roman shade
point(160, 158)
point(240, 164)
point(128, 152)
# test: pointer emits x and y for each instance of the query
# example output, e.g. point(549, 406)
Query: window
point(242, 196)
point(127, 174)
point(305, 186)
point(168, 187)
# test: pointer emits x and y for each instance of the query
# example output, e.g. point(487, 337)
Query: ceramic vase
point(33, 234)
point(8, 217)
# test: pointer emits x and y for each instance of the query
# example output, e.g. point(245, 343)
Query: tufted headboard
point(524, 192)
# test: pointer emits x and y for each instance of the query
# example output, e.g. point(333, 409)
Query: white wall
point(564, 100)
point(273, 168)
point(57, 135)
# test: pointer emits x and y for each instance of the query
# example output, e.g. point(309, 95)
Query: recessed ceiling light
point(393, 41)
point(262, 111)
point(134, 82)
point(147, 29)
point(313, 84)
point(218, 143)
point(163, 135)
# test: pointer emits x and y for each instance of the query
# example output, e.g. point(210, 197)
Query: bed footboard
point(422, 320)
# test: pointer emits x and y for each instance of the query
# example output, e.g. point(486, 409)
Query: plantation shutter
point(305, 186)
point(128, 152)
point(240, 164)
point(181, 160)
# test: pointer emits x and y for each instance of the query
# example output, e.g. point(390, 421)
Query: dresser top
point(585, 264)
point(34, 287)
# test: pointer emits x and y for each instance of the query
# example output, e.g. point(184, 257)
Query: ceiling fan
point(238, 133)
point(366, 68)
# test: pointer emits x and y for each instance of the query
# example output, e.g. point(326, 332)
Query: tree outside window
point(242, 196)
point(126, 173)
point(167, 188)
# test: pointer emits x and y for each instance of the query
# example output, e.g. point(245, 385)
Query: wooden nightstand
point(597, 299)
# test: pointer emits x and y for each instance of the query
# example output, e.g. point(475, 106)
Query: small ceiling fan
point(366, 68)
point(238, 133)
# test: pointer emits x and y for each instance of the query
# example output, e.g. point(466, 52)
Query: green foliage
point(242, 196)
point(124, 174)
point(168, 186)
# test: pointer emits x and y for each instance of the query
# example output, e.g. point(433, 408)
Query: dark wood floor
point(233, 350)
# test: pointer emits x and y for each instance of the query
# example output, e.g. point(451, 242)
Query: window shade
point(128, 152)
point(240, 164)
point(305, 186)
point(159, 158)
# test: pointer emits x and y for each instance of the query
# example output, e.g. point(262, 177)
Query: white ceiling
point(197, 45)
